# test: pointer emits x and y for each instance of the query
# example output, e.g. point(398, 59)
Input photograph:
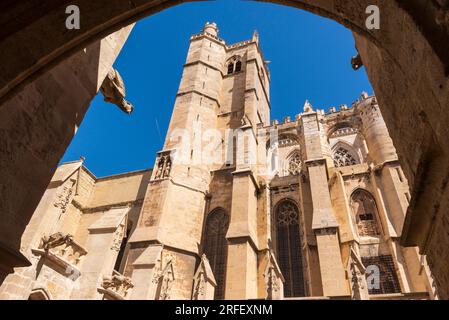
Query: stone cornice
point(182, 93)
point(315, 162)
point(88, 210)
point(206, 64)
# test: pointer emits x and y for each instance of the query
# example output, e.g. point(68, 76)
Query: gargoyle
point(55, 240)
point(113, 90)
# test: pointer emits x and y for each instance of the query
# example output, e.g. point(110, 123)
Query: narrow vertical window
point(230, 67)
point(215, 247)
point(289, 252)
point(238, 66)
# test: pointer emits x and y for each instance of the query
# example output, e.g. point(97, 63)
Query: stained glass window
point(289, 252)
point(215, 247)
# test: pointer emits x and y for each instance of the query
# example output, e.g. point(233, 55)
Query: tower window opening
point(238, 66)
point(230, 68)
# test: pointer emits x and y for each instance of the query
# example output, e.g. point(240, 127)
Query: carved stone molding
point(63, 251)
point(116, 286)
point(315, 162)
point(163, 165)
point(274, 280)
point(204, 281)
point(64, 195)
point(113, 90)
point(356, 272)
point(163, 276)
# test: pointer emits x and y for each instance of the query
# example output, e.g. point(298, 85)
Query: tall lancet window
point(365, 212)
point(215, 247)
point(289, 252)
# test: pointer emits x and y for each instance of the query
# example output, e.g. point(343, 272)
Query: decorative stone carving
point(356, 270)
point(274, 280)
point(308, 107)
point(64, 195)
point(163, 166)
point(118, 236)
point(163, 276)
point(343, 158)
point(64, 253)
point(64, 247)
point(295, 164)
point(116, 286)
point(346, 131)
point(113, 90)
point(204, 281)
point(288, 140)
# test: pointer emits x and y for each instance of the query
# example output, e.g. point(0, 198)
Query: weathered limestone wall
point(76, 203)
point(416, 124)
point(42, 121)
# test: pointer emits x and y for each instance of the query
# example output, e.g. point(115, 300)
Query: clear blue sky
point(310, 59)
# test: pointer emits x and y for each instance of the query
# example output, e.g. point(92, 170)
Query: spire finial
point(308, 107)
point(256, 36)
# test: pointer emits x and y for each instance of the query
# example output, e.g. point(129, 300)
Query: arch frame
point(377, 217)
point(222, 277)
point(42, 292)
point(350, 149)
point(301, 237)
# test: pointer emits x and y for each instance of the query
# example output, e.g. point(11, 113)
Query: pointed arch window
point(288, 245)
point(343, 158)
point(365, 211)
point(215, 247)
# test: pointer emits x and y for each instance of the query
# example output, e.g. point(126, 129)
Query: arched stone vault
point(407, 62)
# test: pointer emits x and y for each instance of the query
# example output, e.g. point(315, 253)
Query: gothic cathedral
point(236, 207)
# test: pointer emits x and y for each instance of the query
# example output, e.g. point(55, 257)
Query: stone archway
point(406, 60)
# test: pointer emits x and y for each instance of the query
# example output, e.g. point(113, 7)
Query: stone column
point(380, 145)
point(241, 270)
point(324, 222)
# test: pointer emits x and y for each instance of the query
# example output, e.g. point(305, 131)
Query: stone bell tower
point(223, 88)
